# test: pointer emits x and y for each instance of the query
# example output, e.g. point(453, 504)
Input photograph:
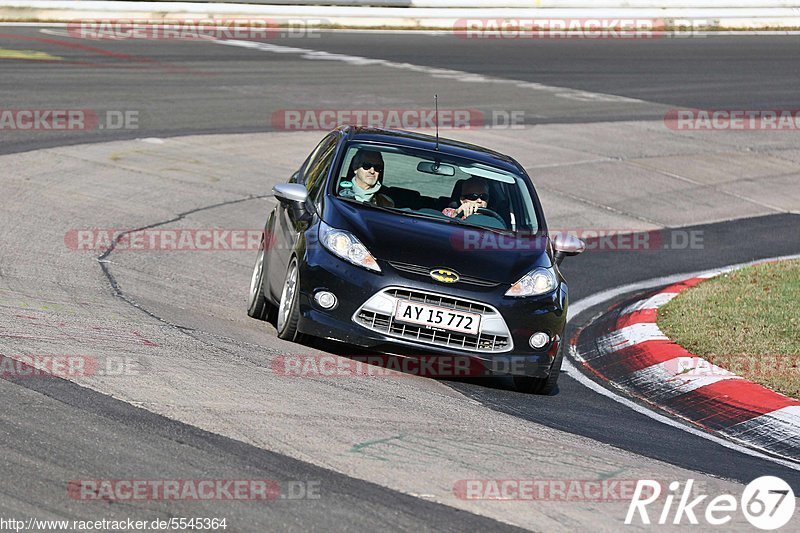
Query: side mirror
point(566, 245)
point(293, 196)
point(290, 192)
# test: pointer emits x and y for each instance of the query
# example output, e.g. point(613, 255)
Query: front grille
point(439, 300)
point(377, 314)
point(385, 323)
point(426, 272)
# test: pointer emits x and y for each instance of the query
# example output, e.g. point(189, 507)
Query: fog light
point(539, 340)
point(325, 299)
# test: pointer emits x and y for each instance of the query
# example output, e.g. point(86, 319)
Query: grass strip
point(746, 321)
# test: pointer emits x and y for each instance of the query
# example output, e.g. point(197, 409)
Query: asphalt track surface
point(602, 419)
point(181, 88)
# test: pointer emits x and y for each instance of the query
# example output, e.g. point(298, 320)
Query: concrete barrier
point(542, 4)
point(741, 14)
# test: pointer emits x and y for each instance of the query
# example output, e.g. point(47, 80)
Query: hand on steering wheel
point(466, 209)
point(489, 213)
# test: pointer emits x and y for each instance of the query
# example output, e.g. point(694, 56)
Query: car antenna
point(436, 118)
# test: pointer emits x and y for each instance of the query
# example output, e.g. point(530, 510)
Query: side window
point(299, 176)
point(319, 165)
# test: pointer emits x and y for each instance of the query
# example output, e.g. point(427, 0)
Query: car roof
point(428, 142)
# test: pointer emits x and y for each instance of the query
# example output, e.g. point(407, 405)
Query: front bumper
point(502, 346)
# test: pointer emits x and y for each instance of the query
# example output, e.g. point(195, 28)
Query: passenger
point(474, 196)
point(366, 173)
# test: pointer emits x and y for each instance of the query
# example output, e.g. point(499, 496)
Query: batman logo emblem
point(443, 275)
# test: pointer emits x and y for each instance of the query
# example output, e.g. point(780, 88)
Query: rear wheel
point(289, 307)
point(544, 385)
point(259, 306)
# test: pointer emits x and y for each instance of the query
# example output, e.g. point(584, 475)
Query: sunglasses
point(476, 196)
point(366, 165)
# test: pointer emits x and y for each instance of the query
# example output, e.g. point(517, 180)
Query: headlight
point(537, 281)
point(346, 246)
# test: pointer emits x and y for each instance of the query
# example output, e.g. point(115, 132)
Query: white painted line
point(654, 302)
point(709, 275)
point(578, 307)
point(59, 33)
point(578, 376)
point(663, 381)
point(629, 336)
point(456, 75)
point(778, 426)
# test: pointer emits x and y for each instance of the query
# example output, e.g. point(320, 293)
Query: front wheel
point(258, 305)
point(289, 307)
point(546, 385)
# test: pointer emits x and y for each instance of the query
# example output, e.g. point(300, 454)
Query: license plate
point(437, 317)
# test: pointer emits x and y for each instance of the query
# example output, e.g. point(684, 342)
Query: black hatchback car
point(410, 244)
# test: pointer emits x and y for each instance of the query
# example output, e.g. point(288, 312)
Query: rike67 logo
point(767, 503)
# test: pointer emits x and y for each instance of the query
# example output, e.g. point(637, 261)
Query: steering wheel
point(489, 213)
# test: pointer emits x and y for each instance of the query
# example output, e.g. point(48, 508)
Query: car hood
point(468, 250)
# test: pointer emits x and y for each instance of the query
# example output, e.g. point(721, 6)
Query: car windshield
point(431, 184)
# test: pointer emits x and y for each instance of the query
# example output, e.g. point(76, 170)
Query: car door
point(286, 231)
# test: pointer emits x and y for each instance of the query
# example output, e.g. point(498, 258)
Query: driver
point(366, 173)
point(474, 196)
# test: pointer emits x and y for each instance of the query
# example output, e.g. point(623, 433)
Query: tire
point(289, 306)
point(259, 306)
point(544, 386)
